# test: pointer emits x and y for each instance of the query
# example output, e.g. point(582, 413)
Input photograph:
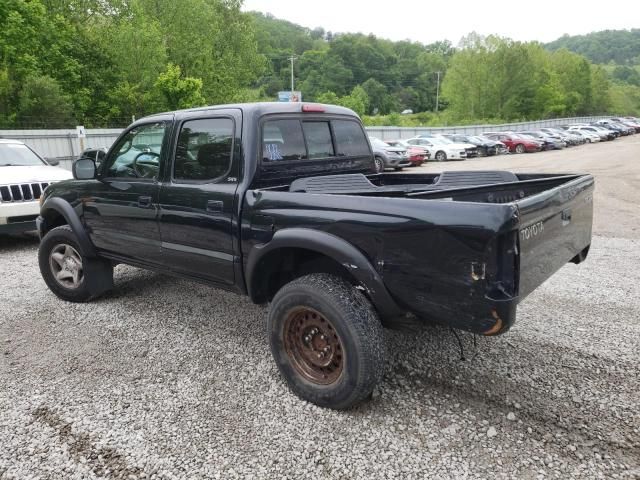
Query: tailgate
point(554, 227)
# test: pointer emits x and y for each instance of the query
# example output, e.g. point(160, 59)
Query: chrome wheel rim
point(66, 266)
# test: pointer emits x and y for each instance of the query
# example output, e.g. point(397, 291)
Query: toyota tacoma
point(281, 202)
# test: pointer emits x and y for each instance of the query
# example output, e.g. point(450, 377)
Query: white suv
point(23, 177)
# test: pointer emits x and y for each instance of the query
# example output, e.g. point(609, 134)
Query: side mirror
point(53, 161)
point(84, 169)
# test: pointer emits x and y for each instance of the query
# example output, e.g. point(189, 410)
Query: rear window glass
point(282, 140)
point(318, 136)
point(350, 139)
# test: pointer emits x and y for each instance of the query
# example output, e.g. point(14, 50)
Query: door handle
point(144, 201)
point(215, 206)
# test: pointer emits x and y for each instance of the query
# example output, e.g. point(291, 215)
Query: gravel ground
point(164, 378)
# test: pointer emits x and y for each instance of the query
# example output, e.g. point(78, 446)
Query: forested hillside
point(618, 46)
point(619, 52)
point(102, 62)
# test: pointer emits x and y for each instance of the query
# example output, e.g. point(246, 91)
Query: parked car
point(626, 129)
point(386, 156)
point(515, 143)
point(24, 175)
point(486, 146)
point(417, 154)
point(97, 154)
point(589, 136)
point(619, 129)
point(443, 149)
point(549, 142)
point(570, 138)
point(634, 123)
point(593, 131)
point(278, 201)
point(611, 133)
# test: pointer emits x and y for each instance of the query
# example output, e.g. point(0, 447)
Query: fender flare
point(65, 209)
point(347, 255)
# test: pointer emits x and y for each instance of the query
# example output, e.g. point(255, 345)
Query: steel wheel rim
point(66, 266)
point(379, 165)
point(313, 346)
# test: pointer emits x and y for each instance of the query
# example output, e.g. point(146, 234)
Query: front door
point(197, 202)
point(122, 208)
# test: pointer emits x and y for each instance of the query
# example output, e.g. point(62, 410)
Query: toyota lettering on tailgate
point(532, 231)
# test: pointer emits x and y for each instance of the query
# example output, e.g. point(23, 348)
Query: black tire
point(378, 164)
point(357, 328)
point(441, 156)
point(520, 148)
point(96, 274)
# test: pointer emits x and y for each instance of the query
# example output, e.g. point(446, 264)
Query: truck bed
point(474, 186)
point(481, 243)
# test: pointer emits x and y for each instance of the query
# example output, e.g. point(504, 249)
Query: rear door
point(198, 199)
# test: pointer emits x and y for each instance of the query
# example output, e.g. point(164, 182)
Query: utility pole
point(292, 58)
point(438, 91)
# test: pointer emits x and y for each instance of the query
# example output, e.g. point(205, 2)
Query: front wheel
point(441, 156)
point(326, 340)
point(69, 274)
point(520, 148)
point(378, 164)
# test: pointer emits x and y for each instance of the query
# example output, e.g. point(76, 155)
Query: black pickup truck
point(281, 202)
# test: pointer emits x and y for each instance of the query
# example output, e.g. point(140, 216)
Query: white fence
point(66, 146)
point(63, 145)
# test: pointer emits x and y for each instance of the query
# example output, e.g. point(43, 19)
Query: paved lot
point(168, 379)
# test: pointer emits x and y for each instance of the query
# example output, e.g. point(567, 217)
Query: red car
point(417, 154)
point(516, 143)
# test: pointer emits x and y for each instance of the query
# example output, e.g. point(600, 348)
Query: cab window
point(137, 154)
point(283, 140)
point(350, 139)
point(204, 149)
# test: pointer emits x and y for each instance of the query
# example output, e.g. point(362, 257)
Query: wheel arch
point(294, 252)
point(56, 212)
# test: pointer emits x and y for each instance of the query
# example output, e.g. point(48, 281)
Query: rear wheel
point(441, 156)
point(326, 340)
point(69, 274)
point(378, 164)
point(520, 148)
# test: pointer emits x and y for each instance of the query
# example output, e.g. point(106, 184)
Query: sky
point(426, 22)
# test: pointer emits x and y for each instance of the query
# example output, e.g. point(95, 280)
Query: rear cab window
point(299, 139)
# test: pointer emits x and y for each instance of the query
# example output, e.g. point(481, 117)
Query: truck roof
point(262, 108)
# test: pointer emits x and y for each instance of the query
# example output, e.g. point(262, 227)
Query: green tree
point(179, 91)
point(379, 99)
point(42, 103)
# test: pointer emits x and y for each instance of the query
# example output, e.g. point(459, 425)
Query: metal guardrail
point(65, 145)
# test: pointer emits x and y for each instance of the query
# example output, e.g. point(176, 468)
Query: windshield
point(440, 141)
point(17, 154)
